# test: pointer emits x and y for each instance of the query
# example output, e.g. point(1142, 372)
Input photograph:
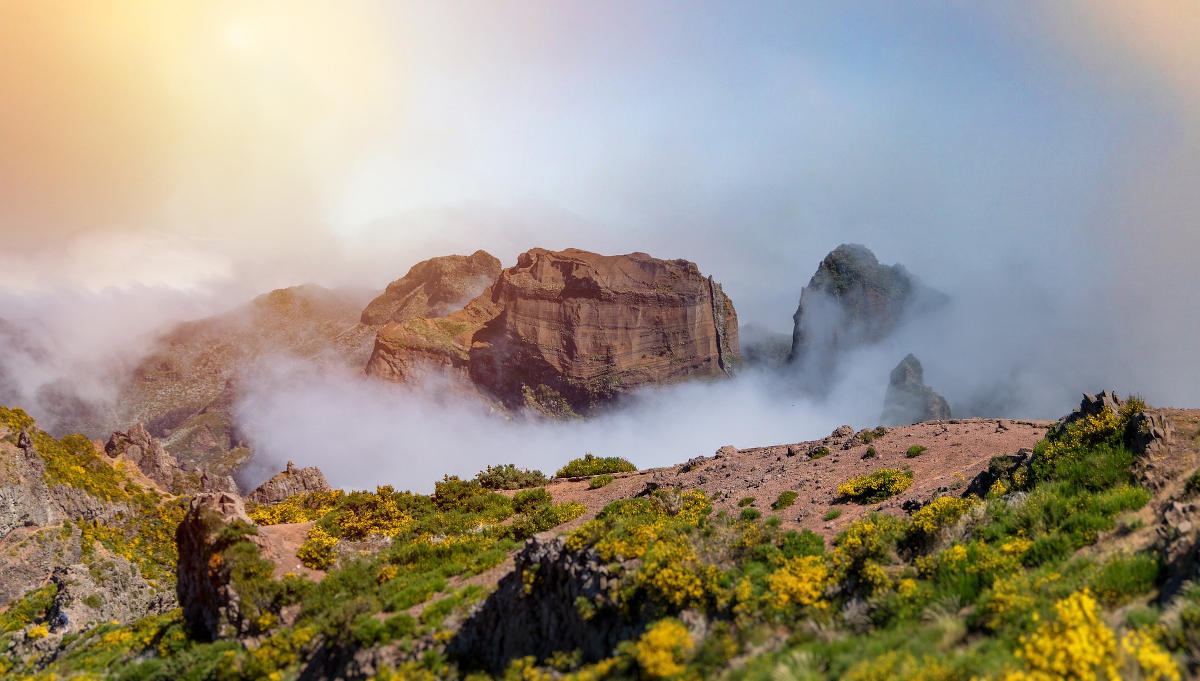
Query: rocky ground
point(957, 450)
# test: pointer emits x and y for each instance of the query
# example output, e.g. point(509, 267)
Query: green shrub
point(803, 543)
point(915, 451)
point(867, 436)
point(750, 514)
point(818, 453)
point(876, 486)
point(600, 481)
point(786, 498)
point(1124, 576)
point(591, 464)
point(529, 500)
point(833, 514)
point(870, 453)
point(745, 501)
point(1192, 487)
point(508, 476)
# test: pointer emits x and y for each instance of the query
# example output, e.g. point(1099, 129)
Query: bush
point(529, 500)
point(803, 543)
point(745, 501)
point(317, 551)
point(1125, 576)
point(818, 453)
point(600, 481)
point(591, 464)
point(833, 514)
point(876, 486)
point(786, 498)
point(915, 451)
point(750, 514)
point(870, 453)
point(1192, 487)
point(508, 476)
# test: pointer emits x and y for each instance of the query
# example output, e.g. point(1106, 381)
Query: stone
point(563, 332)
point(908, 400)
point(148, 454)
point(433, 288)
point(290, 482)
point(123, 595)
point(851, 301)
point(203, 584)
point(533, 611)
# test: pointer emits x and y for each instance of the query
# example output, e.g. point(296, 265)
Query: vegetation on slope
point(965, 588)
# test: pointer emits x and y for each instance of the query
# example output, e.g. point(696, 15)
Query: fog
point(1039, 166)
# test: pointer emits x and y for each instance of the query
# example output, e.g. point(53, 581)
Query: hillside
point(978, 556)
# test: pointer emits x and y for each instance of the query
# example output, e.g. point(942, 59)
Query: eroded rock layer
point(568, 330)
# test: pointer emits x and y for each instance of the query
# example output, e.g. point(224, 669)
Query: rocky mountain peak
point(852, 300)
point(433, 288)
point(908, 399)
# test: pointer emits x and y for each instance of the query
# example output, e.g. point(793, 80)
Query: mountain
point(567, 331)
point(852, 300)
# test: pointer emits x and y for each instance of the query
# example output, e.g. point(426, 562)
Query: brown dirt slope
point(957, 450)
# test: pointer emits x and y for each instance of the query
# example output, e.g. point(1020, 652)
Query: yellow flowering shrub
point(317, 551)
point(39, 631)
point(363, 514)
point(941, 512)
point(799, 581)
point(876, 486)
point(861, 550)
point(662, 650)
point(1077, 644)
point(298, 508)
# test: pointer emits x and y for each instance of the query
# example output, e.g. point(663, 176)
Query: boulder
point(289, 482)
point(565, 331)
point(534, 611)
point(433, 288)
point(908, 400)
point(204, 582)
point(852, 300)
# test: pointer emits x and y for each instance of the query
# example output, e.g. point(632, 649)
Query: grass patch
point(832, 514)
point(786, 498)
point(915, 451)
point(600, 481)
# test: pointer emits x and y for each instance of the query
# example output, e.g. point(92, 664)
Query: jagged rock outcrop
point(852, 300)
point(123, 595)
point(433, 288)
point(1092, 405)
point(147, 453)
point(908, 400)
point(289, 482)
point(204, 581)
point(534, 611)
point(564, 331)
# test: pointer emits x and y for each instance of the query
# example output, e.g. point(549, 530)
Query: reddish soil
point(956, 451)
point(279, 545)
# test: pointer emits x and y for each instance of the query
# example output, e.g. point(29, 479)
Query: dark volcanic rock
point(568, 330)
point(852, 300)
point(433, 288)
point(534, 611)
point(289, 482)
point(908, 399)
point(204, 580)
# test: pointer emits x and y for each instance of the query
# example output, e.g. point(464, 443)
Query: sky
point(1037, 161)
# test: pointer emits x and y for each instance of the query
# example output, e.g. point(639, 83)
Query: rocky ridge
point(566, 331)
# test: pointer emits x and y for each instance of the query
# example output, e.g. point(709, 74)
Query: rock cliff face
point(433, 288)
point(566, 331)
point(289, 482)
point(852, 300)
point(908, 399)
